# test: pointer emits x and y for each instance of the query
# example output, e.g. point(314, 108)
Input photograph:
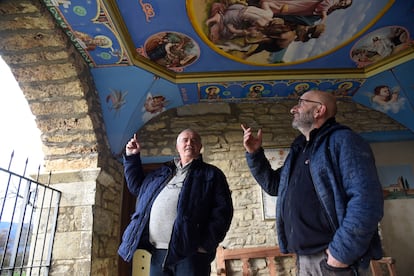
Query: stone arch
point(56, 83)
point(61, 94)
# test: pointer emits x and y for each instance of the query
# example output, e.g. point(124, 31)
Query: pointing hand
point(251, 143)
point(132, 147)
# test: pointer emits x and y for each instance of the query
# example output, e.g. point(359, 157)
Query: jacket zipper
point(179, 197)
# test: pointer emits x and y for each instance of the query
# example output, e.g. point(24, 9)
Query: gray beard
point(303, 122)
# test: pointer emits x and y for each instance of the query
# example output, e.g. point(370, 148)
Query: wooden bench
point(385, 266)
point(270, 253)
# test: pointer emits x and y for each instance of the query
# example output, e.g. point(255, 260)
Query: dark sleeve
point(134, 174)
point(262, 171)
point(221, 213)
point(364, 208)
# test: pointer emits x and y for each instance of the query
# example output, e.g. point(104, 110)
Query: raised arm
point(251, 143)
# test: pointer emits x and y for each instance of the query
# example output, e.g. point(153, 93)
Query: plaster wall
point(397, 226)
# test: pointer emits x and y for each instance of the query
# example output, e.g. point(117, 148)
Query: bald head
point(327, 99)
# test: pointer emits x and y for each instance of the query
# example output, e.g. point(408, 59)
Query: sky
point(18, 130)
point(340, 27)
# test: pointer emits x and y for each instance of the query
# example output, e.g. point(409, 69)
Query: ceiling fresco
point(150, 56)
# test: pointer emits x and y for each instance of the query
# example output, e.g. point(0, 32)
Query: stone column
point(87, 229)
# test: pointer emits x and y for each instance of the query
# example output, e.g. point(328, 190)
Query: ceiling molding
point(264, 75)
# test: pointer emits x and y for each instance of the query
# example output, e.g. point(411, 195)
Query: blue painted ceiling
point(150, 56)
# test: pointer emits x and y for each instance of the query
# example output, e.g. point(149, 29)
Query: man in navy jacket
point(183, 211)
point(329, 197)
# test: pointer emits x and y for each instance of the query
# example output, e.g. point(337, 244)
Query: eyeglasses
point(300, 101)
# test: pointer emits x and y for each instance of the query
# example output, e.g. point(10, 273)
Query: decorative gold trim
point(158, 70)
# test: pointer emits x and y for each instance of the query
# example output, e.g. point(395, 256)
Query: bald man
point(329, 197)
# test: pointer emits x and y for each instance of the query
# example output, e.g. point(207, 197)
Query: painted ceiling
point(150, 56)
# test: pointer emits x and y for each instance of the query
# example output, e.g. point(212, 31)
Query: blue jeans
point(195, 265)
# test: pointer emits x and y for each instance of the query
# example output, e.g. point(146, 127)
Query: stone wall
point(87, 232)
point(56, 83)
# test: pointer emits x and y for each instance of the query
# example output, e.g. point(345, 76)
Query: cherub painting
point(387, 99)
point(153, 106)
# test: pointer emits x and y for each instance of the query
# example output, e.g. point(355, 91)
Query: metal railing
point(28, 216)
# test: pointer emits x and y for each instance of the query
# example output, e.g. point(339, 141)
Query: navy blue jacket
point(344, 174)
point(204, 210)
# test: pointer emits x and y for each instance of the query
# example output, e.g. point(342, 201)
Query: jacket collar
point(316, 134)
point(195, 162)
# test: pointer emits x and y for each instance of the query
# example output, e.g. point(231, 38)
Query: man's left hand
point(334, 262)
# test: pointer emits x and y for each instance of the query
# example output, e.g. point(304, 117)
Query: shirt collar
point(179, 166)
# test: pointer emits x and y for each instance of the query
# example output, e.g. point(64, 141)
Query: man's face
point(188, 145)
point(303, 113)
point(302, 119)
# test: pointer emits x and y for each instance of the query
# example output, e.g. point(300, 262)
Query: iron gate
point(28, 216)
